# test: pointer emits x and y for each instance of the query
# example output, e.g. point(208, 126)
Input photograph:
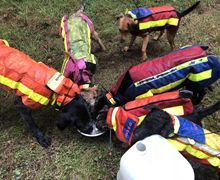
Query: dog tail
point(82, 5)
point(198, 115)
point(209, 110)
point(190, 9)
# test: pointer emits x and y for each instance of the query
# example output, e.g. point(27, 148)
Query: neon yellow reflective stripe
point(113, 119)
point(176, 110)
point(25, 90)
point(171, 71)
point(93, 59)
point(200, 76)
point(159, 23)
point(147, 94)
point(212, 139)
point(6, 42)
point(167, 87)
point(64, 36)
point(141, 118)
point(112, 101)
point(53, 99)
point(89, 38)
point(213, 159)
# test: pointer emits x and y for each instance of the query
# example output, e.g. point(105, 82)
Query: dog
point(38, 85)
point(141, 22)
point(77, 31)
point(191, 68)
point(131, 126)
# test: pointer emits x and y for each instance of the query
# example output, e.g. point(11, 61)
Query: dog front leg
point(126, 48)
point(26, 115)
point(156, 38)
point(144, 47)
point(95, 37)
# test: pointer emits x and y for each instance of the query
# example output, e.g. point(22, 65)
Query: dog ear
point(120, 16)
point(63, 121)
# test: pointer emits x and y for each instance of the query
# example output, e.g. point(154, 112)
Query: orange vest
point(35, 82)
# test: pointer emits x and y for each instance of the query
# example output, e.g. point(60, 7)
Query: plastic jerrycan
point(154, 158)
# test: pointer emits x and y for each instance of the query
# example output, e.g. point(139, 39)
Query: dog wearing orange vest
point(38, 85)
point(141, 22)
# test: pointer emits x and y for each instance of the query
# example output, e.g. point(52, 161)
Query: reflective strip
point(176, 110)
point(147, 94)
point(6, 42)
point(53, 99)
point(200, 76)
point(93, 59)
point(55, 81)
point(212, 139)
point(84, 86)
point(25, 90)
point(159, 23)
point(176, 125)
point(183, 144)
point(89, 38)
point(113, 119)
point(171, 71)
point(111, 100)
point(64, 36)
point(168, 86)
point(141, 118)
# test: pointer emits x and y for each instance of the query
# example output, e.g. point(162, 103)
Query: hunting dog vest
point(35, 82)
point(190, 65)
point(151, 19)
point(76, 33)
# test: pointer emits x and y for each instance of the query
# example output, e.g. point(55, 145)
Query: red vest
point(35, 82)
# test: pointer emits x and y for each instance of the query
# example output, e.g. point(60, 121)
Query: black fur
point(187, 11)
point(159, 122)
point(156, 122)
point(74, 113)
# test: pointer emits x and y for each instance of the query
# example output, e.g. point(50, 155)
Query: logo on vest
point(128, 128)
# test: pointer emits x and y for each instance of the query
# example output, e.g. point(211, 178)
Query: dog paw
point(155, 38)
point(42, 140)
point(125, 49)
point(144, 58)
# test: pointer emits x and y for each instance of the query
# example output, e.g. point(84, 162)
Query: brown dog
point(141, 22)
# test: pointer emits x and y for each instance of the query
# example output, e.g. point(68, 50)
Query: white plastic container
point(154, 158)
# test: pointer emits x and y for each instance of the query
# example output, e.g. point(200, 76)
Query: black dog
point(38, 85)
point(159, 122)
point(76, 113)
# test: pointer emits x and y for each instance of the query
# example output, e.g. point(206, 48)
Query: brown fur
point(126, 25)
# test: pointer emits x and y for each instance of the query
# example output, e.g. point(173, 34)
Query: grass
point(32, 26)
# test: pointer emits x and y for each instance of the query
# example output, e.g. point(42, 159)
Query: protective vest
point(196, 142)
point(190, 65)
point(155, 18)
point(36, 83)
point(188, 138)
point(76, 33)
point(125, 119)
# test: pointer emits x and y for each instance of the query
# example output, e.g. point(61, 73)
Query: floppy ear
point(120, 16)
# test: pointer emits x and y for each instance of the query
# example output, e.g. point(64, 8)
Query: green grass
point(32, 26)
